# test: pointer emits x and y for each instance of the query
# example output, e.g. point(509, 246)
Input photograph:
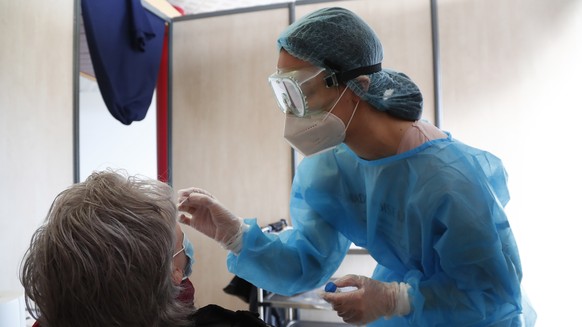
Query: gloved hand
point(372, 299)
point(211, 218)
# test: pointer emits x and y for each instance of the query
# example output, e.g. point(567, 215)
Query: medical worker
point(428, 208)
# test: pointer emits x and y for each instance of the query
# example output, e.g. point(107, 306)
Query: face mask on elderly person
point(188, 250)
point(183, 259)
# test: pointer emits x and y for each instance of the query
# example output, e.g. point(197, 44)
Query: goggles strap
point(343, 77)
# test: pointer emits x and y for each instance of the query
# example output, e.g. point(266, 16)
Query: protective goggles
point(292, 88)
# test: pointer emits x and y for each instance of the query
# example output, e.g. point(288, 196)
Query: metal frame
point(76, 90)
point(436, 65)
point(291, 6)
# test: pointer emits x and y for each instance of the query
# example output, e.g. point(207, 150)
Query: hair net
point(338, 40)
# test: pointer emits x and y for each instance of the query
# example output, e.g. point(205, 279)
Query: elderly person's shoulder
point(216, 316)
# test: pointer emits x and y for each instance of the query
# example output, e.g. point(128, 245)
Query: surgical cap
point(338, 40)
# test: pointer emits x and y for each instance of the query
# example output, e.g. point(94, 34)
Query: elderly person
point(104, 257)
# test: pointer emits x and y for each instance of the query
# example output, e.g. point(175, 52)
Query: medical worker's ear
point(364, 82)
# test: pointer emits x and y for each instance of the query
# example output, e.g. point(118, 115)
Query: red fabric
point(187, 293)
point(180, 10)
point(162, 111)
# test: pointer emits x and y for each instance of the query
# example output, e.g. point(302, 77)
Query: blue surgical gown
point(432, 217)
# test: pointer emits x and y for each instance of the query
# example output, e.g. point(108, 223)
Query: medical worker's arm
point(294, 261)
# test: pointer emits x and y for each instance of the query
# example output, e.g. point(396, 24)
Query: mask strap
point(353, 113)
point(335, 103)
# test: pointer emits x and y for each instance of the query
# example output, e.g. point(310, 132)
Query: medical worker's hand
point(211, 218)
point(372, 299)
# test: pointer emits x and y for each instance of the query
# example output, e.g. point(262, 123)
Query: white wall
point(512, 78)
point(107, 143)
point(36, 125)
point(36, 117)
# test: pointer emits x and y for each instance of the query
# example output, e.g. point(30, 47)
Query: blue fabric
point(189, 252)
point(125, 43)
point(432, 217)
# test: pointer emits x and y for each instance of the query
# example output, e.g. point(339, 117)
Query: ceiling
point(203, 6)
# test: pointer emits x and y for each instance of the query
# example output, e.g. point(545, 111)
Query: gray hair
point(103, 256)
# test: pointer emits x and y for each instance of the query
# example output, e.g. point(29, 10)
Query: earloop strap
point(353, 113)
point(335, 103)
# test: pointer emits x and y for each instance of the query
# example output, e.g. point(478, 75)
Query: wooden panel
point(227, 129)
point(404, 27)
point(36, 119)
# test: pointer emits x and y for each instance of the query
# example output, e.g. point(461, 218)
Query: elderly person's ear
point(177, 275)
point(364, 82)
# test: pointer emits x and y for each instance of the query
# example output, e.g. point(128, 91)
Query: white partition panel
point(227, 129)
